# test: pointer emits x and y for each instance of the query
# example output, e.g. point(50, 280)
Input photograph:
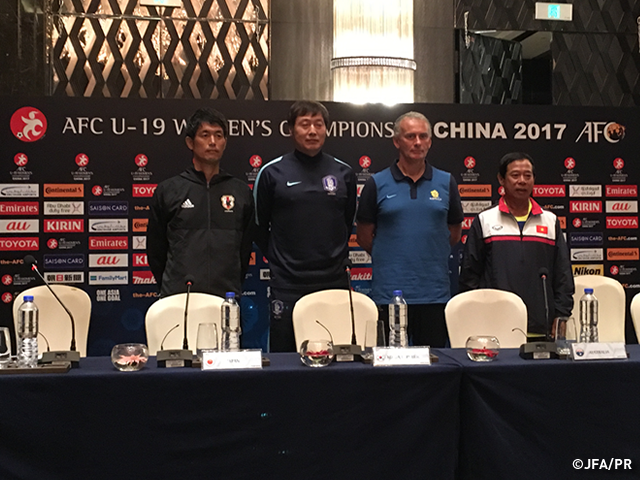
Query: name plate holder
point(598, 351)
point(396, 356)
point(240, 360)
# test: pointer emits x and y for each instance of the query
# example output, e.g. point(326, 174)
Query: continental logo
point(353, 242)
point(63, 190)
point(587, 270)
point(140, 224)
point(474, 190)
point(623, 254)
point(563, 222)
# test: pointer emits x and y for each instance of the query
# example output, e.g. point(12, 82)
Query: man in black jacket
point(201, 221)
point(305, 206)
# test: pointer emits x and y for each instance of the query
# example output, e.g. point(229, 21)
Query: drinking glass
point(370, 339)
point(207, 340)
point(316, 353)
point(482, 348)
point(5, 347)
point(565, 335)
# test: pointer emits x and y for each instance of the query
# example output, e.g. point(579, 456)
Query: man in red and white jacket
point(511, 244)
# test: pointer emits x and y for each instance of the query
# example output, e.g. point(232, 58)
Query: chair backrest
point(167, 312)
point(331, 308)
point(54, 322)
point(611, 306)
point(635, 313)
point(486, 312)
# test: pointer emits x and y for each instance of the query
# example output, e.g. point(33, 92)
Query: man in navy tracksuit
point(305, 206)
point(201, 221)
point(511, 245)
point(409, 216)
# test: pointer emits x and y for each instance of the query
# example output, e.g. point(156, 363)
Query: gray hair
point(416, 115)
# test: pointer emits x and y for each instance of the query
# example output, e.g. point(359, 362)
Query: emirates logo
point(20, 159)
point(28, 124)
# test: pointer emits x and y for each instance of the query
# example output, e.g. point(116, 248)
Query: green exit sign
point(554, 11)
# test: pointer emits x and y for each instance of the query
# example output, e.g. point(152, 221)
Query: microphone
point(352, 352)
point(71, 355)
point(178, 357)
point(543, 272)
point(541, 350)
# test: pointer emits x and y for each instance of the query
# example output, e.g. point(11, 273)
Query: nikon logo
point(587, 270)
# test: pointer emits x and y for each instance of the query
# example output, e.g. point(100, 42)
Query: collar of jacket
point(535, 208)
point(198, 177)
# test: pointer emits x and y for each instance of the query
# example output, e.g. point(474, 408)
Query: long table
point(510, 418)
point(286, 421)
point(531, 419)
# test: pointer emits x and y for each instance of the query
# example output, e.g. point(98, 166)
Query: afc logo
point(28, 124)
point(20, 159)
point(255, 161)
point(569, 163)
point(365, 161)
point(82, 160)
point(141, 160)
point(618, 164)
point(470, 162)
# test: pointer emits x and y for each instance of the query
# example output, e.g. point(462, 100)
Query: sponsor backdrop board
point(79, 174)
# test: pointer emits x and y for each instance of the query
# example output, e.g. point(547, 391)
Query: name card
point(598, 351)
point(391, 356)
point(241, 359)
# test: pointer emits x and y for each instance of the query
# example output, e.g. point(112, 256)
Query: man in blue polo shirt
point(409, 217)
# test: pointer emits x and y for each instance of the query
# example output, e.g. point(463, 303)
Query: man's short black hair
point(307, 107)
point(206, 115)
point(512, 157)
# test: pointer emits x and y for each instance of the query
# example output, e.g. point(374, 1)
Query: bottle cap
point(588, 291)
point(28, 298)
point(397, 293)
point(230, 295)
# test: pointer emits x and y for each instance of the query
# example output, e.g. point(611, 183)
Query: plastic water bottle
point(28, 333)
point(230, 323)
point(588, 316)
point(398, 321)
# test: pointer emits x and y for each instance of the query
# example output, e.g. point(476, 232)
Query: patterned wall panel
point(490, 70)
point(116, 48)
point(616, 16)
point(595, 69)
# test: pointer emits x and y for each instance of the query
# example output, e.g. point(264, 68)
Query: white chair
point(167, 312)
point(331, 308)
point(635, 313)
point(54, 323)
point(611, 306)
point(486, 311)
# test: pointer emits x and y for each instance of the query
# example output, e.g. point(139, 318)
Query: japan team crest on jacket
point(228, 202)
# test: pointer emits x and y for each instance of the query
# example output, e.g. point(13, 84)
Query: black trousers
point(281, 337)
point(426, 326)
